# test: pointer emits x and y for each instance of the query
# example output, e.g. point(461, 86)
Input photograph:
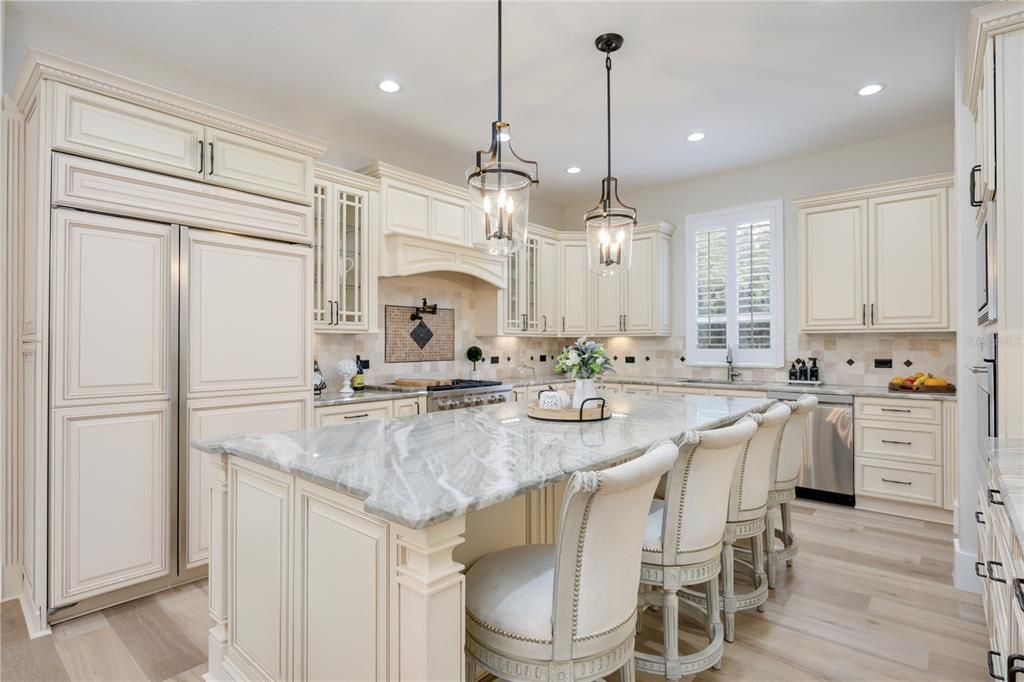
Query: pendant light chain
point(499, 60)
point(608, 109)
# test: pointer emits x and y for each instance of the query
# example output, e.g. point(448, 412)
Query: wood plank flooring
point(870, 597)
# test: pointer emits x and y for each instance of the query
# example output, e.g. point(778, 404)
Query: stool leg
point(728, 590)
point(770, 546)
point(787, 529)
point(627, 673)
point(670, 619)
point(470, 668)
point(714, 616)
point(757, 549)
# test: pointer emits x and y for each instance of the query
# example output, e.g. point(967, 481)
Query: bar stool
point(748, 507)
point(786, 469)
point(683, 543)
point(567, 611)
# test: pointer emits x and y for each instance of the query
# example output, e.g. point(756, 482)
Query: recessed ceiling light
point(389, 86)
point(871, 89)
point(573, 170)
point(695, 137)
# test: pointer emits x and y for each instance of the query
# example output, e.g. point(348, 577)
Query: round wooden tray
point(596, 411)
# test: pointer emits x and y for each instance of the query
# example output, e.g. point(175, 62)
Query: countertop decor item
point(318, 379)
point(583, 361)
point(474, 355)
point(591, 410)
point(553, 400)
point(347, 369)
point(610, 224)
point(499, 186)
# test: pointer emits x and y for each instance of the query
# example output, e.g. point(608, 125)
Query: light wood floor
point(870, 598)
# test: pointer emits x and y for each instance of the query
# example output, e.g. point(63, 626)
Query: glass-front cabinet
point(529, 306)
point(343, 284)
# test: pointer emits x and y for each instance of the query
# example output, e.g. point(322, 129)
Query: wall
point(920, 152)
point(448, 290)
point(350, 147)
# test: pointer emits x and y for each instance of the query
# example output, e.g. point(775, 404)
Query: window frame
point(768, 358)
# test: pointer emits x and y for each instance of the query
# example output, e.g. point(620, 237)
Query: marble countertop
point(421, 470)
point(826, 389)
point(329, 398)
point(1006, 457)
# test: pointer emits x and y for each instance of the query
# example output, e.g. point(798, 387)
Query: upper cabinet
point(102, 116)
point(345, 234)
point(529, 305)
point(876, 258)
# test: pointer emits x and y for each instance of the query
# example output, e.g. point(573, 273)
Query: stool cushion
point(653, 531)
point(510, 593)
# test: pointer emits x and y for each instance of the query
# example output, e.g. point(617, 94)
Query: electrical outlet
point(630, 359)
point(494, 359)
point(365, 363)
point(543, 358)
point(883, 363)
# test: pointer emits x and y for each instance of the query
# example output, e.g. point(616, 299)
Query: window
point(734, 297)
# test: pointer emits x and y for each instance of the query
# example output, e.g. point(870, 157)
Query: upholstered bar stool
point(683, 543)
point(748, 507)
point(786, 469)
point(567, 611)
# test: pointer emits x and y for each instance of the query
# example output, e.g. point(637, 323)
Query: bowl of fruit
point(923, 382)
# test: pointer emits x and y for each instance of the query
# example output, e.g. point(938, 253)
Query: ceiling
point(762, 80)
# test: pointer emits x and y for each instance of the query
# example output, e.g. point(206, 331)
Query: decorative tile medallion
point(431, 339)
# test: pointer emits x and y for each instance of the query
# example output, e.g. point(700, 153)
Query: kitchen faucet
point(731, 374)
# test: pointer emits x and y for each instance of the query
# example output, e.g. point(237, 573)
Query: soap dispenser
point(812, 371)
point(792, 372)
point(802, 372)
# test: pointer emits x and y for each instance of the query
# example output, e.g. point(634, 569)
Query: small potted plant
point(583, 361)
point(474, 355)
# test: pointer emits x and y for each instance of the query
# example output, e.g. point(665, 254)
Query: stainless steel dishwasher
point(827, 470)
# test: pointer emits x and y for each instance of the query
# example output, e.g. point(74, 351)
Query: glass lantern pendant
point(499, 187)
point(610, 224)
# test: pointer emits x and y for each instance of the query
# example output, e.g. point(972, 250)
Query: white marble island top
point(424, 469)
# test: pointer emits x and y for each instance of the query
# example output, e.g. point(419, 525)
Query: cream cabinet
point(548, 298)
point(408, 407)
point(344, 252)
point(983, 174)
point(529, 305)
point(103, 127)
point(419, 206)
point(336, 415)
point(876, 258)
point(574, 289)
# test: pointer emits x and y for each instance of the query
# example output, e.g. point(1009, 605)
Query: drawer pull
point(991, 665)
point(991, 499)
point(1018, 592)
point(896, 409)
point(897, 442)
point(357, 416)
point(1015, 669)
point(978, 568)
point(991, 574)
point(893, 480)
point(980, 518)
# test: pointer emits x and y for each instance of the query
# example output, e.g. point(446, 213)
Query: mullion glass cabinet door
point(530, 289)
point(350, 261)
point(323, 313)
point(513, 299)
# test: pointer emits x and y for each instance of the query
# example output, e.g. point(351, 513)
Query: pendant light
point(499, 186)
point(609, 224)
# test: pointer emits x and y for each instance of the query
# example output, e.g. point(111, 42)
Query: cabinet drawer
point(927, 411)
point(736, 393)
point(106, 128)
point(921, 443)
point(639, 389)
point(347, 414)
point(681, 390)
point(604, 388)
point(899, 481)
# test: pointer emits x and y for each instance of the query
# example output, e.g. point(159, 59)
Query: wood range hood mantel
point(405, 255)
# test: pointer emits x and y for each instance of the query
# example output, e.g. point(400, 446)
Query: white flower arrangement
point(585, 359)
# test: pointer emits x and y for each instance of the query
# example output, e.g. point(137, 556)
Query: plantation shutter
point(754, 284)
point(712, 277)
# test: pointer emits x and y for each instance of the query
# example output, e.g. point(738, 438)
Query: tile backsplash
point(653, 357)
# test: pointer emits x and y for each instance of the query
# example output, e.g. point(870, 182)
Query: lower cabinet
point(112, 481)
point(639, 389)
point(408, 407)
point(218, 417)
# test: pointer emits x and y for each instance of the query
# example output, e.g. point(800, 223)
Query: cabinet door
point(112, 476)
point(512, 296)
point(547, 288)
point(449, 220)
point(249, 326)
point(323, 303)
point(574, 289)
point(406, 210)
point(530, 274)
point(909, 261)
point(253, 166)
point(342, 566)
point(215, 418)
point(347, 414)
point(341, 263)
point(646, 287)
point(607, 304)
point(102, 127)
point(832, 271)
point(112, 309)
point(408, 407)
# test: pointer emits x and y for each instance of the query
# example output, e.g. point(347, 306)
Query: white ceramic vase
point(584, 389)
point(346, 385)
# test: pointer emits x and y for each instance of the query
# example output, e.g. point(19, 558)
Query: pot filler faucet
point(731, 374)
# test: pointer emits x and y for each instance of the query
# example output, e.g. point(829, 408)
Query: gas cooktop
point(462, 384)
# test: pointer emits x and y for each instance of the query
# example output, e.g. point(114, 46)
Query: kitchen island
point(337, 553)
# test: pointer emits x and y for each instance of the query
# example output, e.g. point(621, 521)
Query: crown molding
point(39, 66)
point(387, 171)
point(342, 176)
point(985, 22)
point(925, 182)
